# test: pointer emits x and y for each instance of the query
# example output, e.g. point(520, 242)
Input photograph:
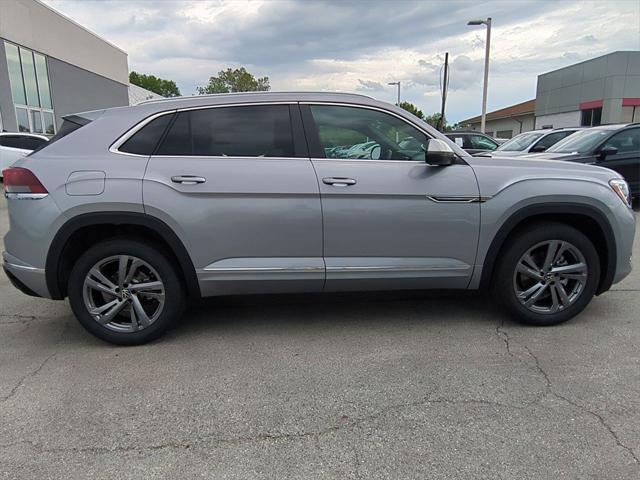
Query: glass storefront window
point(29, 75)
point(22, 115)
point(30, 89)
point(42, 76)
point(49, 123)
point(15, 74)
point(36, 121)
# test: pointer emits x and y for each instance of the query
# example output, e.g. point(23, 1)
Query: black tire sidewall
point(517, 246)
point(174, 291)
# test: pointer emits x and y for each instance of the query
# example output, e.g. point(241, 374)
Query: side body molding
point(561, 208)
point(52, 266)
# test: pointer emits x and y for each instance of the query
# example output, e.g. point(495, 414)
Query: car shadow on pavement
point(366, 310)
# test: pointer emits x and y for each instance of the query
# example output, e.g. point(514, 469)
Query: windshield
point(580, 142)
point(520, 142)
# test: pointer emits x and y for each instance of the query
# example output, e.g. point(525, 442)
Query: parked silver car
point(132, 211)
point(534, 141)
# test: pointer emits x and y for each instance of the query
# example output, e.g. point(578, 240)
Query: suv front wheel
point(125, 292)
point(548, 273)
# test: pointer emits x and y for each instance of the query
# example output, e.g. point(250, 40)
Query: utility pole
point(445, 84)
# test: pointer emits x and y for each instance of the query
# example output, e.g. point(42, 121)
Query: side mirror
point(439, 153)
point(538, 149)
point(606, 151)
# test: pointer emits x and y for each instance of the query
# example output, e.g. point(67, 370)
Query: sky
point(362, 45)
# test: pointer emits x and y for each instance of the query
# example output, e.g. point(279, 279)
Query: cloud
point(370, 86)
point(355, 45)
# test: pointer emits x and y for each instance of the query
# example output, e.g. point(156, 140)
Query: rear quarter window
point(145, 140)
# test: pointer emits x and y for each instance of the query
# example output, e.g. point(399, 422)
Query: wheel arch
point(114, 224)
point(586, 218)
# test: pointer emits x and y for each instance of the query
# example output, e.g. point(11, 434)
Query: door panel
point(252, 224)
point(627, 161)
point(391, 221)
point(249, 212)
point(385, 233)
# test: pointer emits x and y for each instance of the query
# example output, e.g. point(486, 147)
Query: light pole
point(486, 22)
point(398, 84)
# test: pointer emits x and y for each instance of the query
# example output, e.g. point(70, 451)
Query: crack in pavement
point(263, 437)
point(549, 390)
point(34, 372)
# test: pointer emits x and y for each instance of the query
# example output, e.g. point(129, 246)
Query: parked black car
point(473, 142)
point(613, 146)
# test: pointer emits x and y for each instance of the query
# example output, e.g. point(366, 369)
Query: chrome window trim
point(370, 107)
point(115, 146)
point(382, 110)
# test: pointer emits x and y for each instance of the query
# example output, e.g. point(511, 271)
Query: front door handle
point(188, 179)
point(339, 181)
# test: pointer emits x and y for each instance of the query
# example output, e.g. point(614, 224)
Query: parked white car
point(16, 145)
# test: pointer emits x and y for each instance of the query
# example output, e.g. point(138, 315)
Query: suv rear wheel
point(548, 273)
point(125, 292)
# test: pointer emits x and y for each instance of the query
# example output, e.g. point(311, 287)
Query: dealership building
point(602, 90)
point(50, 67)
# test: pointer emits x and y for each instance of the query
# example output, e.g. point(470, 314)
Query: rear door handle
point(188, 179)
point(339, 181)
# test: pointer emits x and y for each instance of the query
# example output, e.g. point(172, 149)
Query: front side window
point(251, 131)
point(360, 133)
point(552, 139)
point(520, 142)
point(625, 141)
point(580, 142)
point(482, 143)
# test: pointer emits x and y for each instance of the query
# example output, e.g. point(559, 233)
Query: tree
point(411, 108)
point(434, 120)
point(166, 88)
point(235, 80)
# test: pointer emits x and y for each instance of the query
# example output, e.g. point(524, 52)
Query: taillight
point(20, 182)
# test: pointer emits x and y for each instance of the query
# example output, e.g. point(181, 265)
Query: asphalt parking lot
point(391, 385)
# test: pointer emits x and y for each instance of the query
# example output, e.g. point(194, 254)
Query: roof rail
point(213, 95)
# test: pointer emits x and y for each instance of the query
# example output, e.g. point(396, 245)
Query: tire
point(543, 287)
point(139, 309)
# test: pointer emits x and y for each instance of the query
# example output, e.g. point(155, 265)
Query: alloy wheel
point(550, 276)
point(124, 293)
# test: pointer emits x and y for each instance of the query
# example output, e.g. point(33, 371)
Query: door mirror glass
point(439, 153)
point(607, 151)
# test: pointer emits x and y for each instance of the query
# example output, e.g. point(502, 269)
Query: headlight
point(622, 190)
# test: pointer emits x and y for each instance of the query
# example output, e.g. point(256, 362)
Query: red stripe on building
point(631, 102)
point(592, 104)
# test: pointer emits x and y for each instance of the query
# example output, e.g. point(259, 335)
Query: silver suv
point(130, 212)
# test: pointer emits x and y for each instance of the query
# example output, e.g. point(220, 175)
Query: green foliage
point(434, 120)
point(166, 88)
point(235, 80)
point(411, 108)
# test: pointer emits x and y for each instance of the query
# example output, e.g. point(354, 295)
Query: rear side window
point(31, 143)
point(13, 141)
point(251, 131)
point(145, 140)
